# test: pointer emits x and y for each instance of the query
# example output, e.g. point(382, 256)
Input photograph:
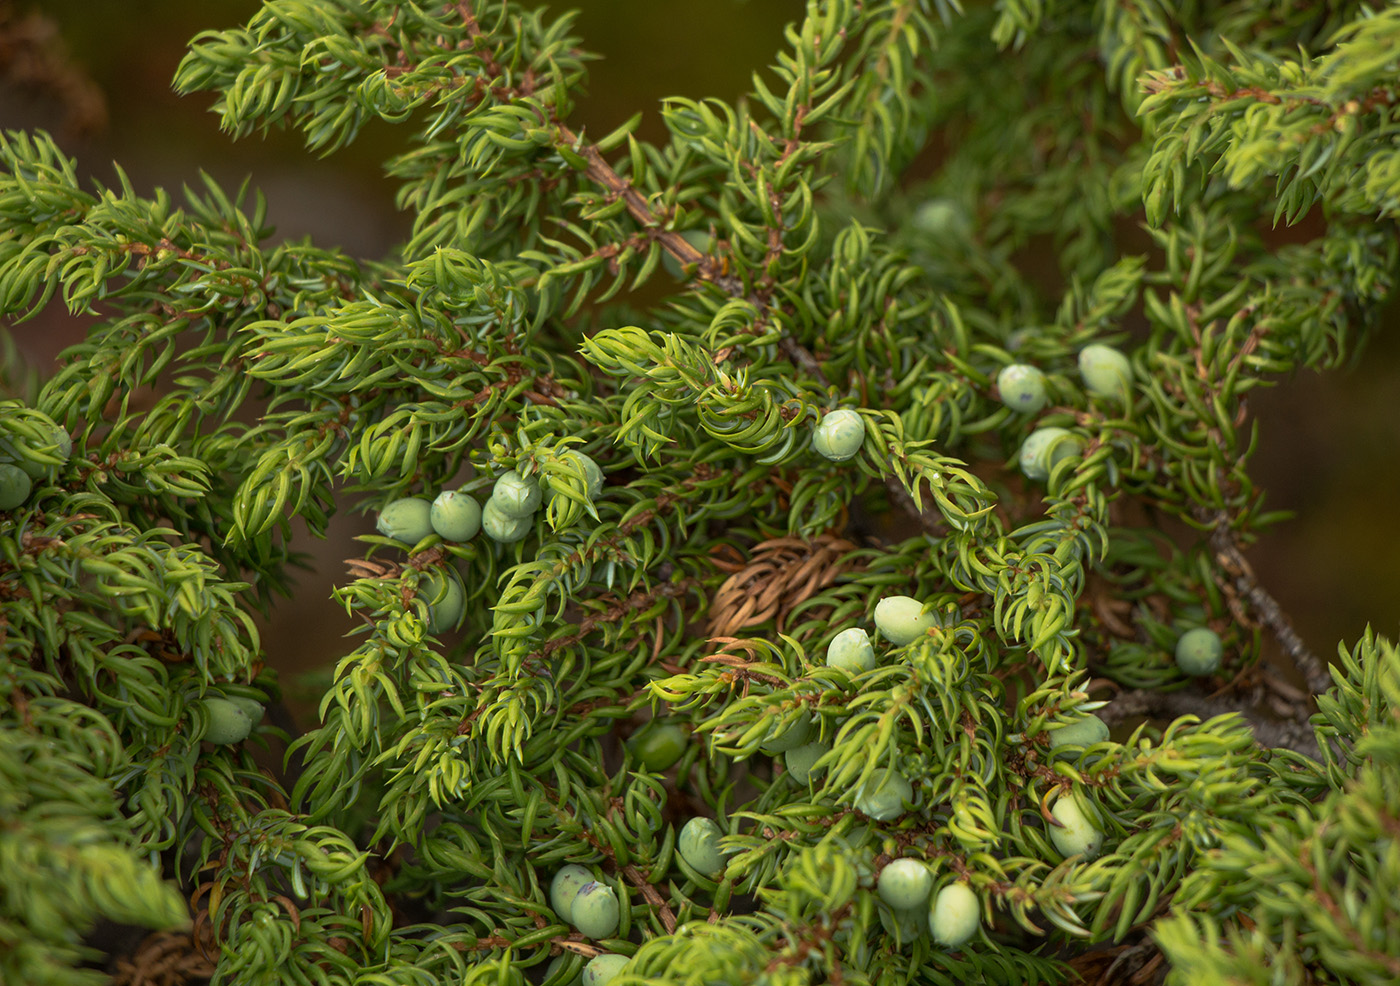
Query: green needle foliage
point(414, 834)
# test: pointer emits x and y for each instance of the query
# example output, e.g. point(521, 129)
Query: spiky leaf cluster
point(232, 386)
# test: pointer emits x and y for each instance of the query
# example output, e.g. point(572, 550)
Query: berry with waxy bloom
point(1083, 732)
point(227, 722)
point(515, 495)
point(801, 761)
point(850, 650)
point(955, 916)
point(408, 520)
point(1076, 835)
point(699, 846)
point(902, 619)
point(603, 969)
point(595, 910)
point(1045, 447)
point(904, 884)
point(1105, 370)
point(15, 486)
point(501, 527)
point(567, 882)
point(1198, 651)
point(883, 796)
point(839, 435)
point(455, 515)
point(1022, 387)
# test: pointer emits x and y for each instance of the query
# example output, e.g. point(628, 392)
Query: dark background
point(1329, 444)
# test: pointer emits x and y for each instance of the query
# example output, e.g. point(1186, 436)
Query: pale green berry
point(455, 515)
point(904, 884)
point(565, 886)
point(1075, 835)
point(447, 600)
point(658, 745)
point(602, 968)
point(15, 486)
point(883, 796)
point(595, 911)
point(798, 733)
point(1198, 651)
point(941, 217)
point(955, 916)
point(251, 707)
point(515, 495)
point(698, 845)
point(1022, 388)
point(408, 520)
point(904, 925)
point(595, 475)
point(850, 650)
point(501, 527)
point(1083, 732)
point(902, 619)
point(1105, 370)
point(1045, 447)
point(840, 435)
point(559, 967)
point(802, 761)
point(227, 722)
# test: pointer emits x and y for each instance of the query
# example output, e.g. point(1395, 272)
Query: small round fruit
point(456, 516)
point(1105, 370)
point(515, 495)
point(594, 474)
point(251, 708)
point(883, 796)
point(595, 911)
point(1022, 388)
point(602, 968)
point(565, 886)
point(904, 925)
point(447, 600)
point(801, 761)
point(941, 217)
point(905, 883)
point(658, 745)
point(902, 619)
point(1198, 651)
point(840, 435)
point(850, 650)
point(1083, 732)
point(699, 847)
point(1045, 447)
point(557, 967)
point(797, 734)
point(955, 916)
point(408, 520)
point(1075, 835)
point(501, 527)
point(15, 486)
point(227, 722)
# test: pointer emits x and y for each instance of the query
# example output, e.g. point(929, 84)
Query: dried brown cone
point(777, 576)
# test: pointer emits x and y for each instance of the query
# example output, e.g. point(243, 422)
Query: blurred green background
point(1329, 444)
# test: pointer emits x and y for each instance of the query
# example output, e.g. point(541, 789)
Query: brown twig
point(1269, 612)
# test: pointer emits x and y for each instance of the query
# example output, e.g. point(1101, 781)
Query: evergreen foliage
point(457, 768)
